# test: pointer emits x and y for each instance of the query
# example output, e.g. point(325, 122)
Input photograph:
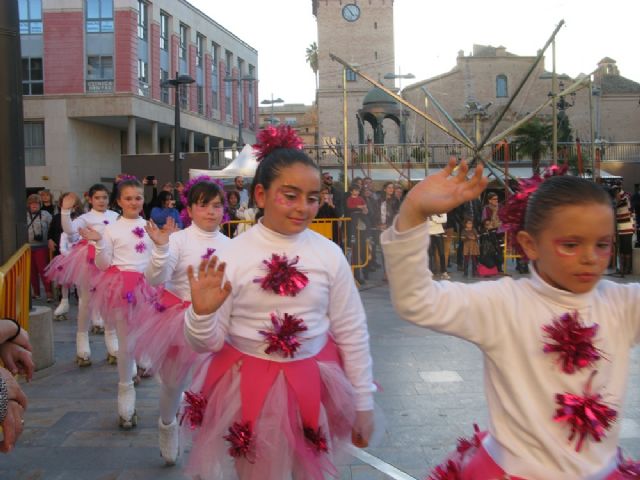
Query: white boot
point(61, 310)
point(169, 441)
point(83, 349)
point(127, 406)
point(111, 341)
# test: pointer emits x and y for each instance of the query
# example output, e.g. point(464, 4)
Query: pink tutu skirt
point(121, 293)
point(471, 461)
point(158, 337)
point(77, 267)
point(257, 419)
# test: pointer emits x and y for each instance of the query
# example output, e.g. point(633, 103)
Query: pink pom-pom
point(629, 468)
point(282, 337)
point(317, 439)
point(283, 277)
point(194, 411)
point(271, 138)
point(138, 232)
point(573, 341)
point(240, 436)
point(586, 415)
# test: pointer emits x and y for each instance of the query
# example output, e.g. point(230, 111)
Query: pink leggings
point(39, 261)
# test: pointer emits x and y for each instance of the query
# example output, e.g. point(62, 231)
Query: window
point(32, 76)
point(215, 52)
point(143, 78)
point(200, 99)
point(164, 91)
point(184, 100)
point(99, 74)
point(199, 50)
point(142, 20)
point(30, 16)
point(99, 16)
point(34, 144)
point(184, 31)
point(351, 75)
point(291, 121)
point(501, 86)
point(228, 85)
point(164, 31)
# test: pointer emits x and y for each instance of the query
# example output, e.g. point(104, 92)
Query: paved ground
point(432, 394)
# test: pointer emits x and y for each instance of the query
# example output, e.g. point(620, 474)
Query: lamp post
point(272, 102)
point(176, 83)
point(247, 78)
point(426, 139)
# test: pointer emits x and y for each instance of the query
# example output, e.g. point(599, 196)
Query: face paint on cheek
point(562, 250)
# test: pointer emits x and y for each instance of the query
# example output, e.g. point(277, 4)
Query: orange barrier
point(15, 287)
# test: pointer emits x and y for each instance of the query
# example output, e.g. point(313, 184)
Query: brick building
point(92, 72)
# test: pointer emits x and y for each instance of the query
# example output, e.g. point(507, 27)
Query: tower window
point(501, 86)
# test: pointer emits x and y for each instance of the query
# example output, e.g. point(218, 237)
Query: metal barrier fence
point(15, 287)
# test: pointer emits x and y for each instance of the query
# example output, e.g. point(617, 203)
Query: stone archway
point(378, 106)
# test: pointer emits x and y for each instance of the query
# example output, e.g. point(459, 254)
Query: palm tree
point(532, 140)
point(312, 59)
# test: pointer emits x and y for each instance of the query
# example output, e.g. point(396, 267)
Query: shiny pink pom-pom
point(240, 436)
point(573, 341)
point(194, 411)
point(283, 277)
point(586, 415)
point(629, 468)
point(449, 470)
point(271, 138)
point(282, 337)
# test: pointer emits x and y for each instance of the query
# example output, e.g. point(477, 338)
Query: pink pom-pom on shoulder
point(271, 138)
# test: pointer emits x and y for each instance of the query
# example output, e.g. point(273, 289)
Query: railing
point(14, 287)
point(370, 155)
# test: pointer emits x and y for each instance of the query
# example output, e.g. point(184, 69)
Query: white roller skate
point(60, 313)
point(169, 441)
point(111, 341)
point(128, 418)
point(98, 326)
point(83, 349)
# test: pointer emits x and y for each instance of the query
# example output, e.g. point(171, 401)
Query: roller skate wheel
point(130, 423)
point(97, 330)
point(83, 362)
point(60, 318)
point(112, 359)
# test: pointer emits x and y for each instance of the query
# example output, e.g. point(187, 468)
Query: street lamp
point(247, 78)
point(272, 102)
point(176, 83)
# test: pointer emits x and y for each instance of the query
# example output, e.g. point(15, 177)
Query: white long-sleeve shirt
point(93, 218)
point(330, 303)
point(504, 319)
point(186, 247)
point(121, 247)
point(436, 225)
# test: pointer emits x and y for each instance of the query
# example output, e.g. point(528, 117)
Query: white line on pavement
point(378, 464)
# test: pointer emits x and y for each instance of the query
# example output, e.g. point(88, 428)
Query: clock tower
point(361, 33)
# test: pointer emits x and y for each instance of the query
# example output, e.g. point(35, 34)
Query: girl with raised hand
point(291, 380)
point(158, 336)
point(123, 251)
point(556, 345)
point(78, 268)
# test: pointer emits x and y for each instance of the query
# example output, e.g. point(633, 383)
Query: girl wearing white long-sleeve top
point(122, 253)
point(556, 346)
point(78, 268)
point(158, 335)
point(291, 379)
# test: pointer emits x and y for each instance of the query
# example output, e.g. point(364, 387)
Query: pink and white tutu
point(158, 337)
point(257, 419)
point(78, 267)
point(471, 461)
point(121, 293)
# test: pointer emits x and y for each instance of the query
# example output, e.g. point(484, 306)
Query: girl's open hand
point(440, 193)
point(208, 292)
point(159, 236)
point(69, 201)
point(90, 234)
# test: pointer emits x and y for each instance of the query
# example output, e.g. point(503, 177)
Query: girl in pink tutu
point(556, 345)
point(78, 267)
point(291, 380)
point(122, 253)
point(158, 337)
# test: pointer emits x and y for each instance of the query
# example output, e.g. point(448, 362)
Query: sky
point(429, 34)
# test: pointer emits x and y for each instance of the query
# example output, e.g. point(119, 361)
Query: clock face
point(351, 12)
